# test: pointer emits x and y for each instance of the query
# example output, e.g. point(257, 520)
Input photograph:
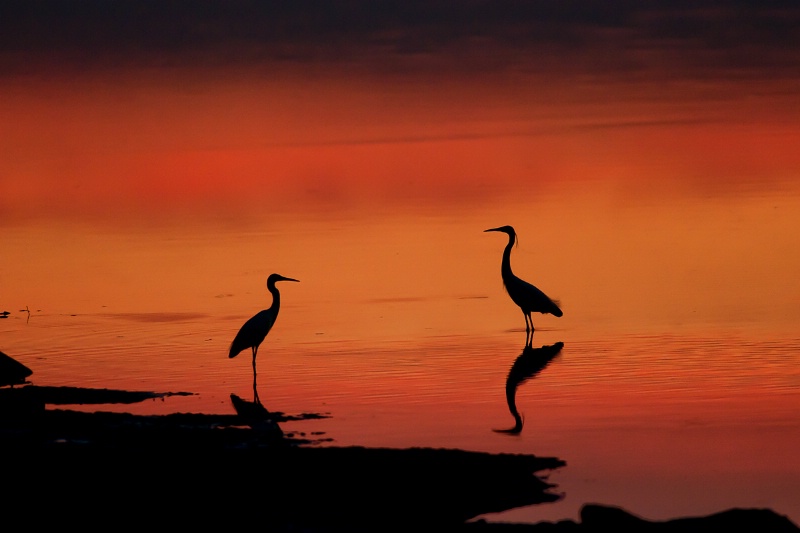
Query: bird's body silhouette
point(529, 298)
point(255, 330)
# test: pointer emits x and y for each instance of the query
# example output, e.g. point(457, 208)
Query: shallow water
point(667, 231)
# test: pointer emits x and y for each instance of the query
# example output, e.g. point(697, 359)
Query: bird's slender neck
point(506, 265)
point(276, 296)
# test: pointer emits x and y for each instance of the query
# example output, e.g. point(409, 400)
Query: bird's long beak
point(491, 229)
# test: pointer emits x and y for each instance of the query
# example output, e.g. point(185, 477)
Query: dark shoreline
point(194, 470)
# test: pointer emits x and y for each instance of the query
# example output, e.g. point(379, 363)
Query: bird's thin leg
point(527, 318)
point(255, 387)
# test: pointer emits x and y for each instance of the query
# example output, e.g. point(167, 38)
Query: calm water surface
point(669, 397)
point(669, 237)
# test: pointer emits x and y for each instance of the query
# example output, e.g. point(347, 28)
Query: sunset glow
point(150, 184)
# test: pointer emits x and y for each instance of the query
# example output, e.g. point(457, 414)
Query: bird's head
point(508, 230)
point(274, 278)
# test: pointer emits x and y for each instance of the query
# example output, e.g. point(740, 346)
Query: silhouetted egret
point(526, 296)
point(255, 330)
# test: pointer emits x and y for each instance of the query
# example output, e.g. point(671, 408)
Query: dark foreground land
point(69, 468)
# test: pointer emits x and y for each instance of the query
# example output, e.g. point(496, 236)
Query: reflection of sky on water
point(122, 116)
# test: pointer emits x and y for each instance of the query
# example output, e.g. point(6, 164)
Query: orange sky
point(106, 145)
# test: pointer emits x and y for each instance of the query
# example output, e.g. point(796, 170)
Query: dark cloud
point(698, 37)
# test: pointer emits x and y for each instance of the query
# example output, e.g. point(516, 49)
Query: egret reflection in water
point(529, 364)
point(255, 415)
